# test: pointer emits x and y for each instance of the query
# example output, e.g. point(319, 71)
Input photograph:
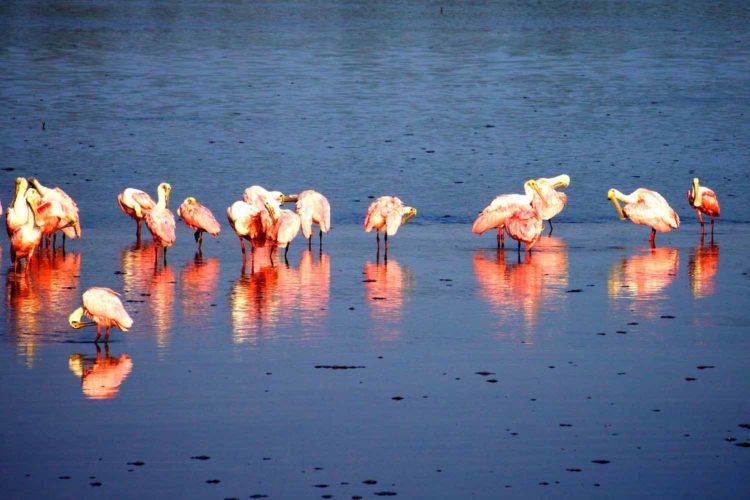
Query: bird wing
point(105, 303)
point(200, 217)
point(162, 225)
point(652, 209)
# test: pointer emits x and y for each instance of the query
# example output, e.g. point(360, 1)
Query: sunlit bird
point(285, 227)
point(136, 204)
point(551, 202)
point(69, 207)
point(525, 226)
point(244, 219)
point(104, 308)
point(25, 238)
point(17, 212)
point(199, 218)
point(160, 221)
point(704, 201)
point(495, 214)
point(312, 208)
point(644, 206)
point(387, 214)
point(259, 197)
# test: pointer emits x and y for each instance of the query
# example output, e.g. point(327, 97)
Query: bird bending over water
point(104, 308)
point(69, 207)
point(644, 206)
point(525, 226)
point(495, 214)
point(704, 201)
point(199, 218)
point(312, 208)
point(387, 213)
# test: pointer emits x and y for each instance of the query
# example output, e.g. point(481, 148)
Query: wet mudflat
point(450, 370)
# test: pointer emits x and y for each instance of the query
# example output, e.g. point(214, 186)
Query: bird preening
point(647, 207)
point(104, 308)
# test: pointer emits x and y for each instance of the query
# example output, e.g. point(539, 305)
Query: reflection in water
point(702, 267)
point(198, 281)
point(152, 284)
point(385, 287)
point(644, 278)
point(40, 300)
point(267, 294)
point(100, 377)
point(514, 287)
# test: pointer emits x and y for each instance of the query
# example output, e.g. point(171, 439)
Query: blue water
point(518, 376)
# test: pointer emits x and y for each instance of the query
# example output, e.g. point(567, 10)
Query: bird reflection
point(198, 281)
point(101, 377)
point(644, 278)
point(385, 286)
point(702, 267)
point(522, 287)
point(151, 284)
point(39, 301)
point(267, 295)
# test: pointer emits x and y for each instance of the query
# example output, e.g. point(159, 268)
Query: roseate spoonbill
point(502, 207)
point(68, 205)
point(17, 212)
point(105, 309)
point(258, 197)
point(644, 206)
point(549, 202)
point(525, 226)
point(387, 213)
point(285, 227)
point(160, 221)
point(244, 219)
point(52, 217)
point(704, 201)
point(136, 204)
point(312, 207)
point(25, 238)
point(200, 218)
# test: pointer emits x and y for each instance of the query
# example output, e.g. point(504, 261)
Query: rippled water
point(511, 376)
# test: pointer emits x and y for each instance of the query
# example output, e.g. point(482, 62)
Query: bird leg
point(377, 237)
point(652, 239)
point(550, 228)
point(286, 251)
point(700, 219)
point(98, 334)
point(321, 238)
point(63, 238)
point(501, 237)
point(242, 244)
point(712, 228)
point(309, 243)
point(138, 231)
point(165, 256)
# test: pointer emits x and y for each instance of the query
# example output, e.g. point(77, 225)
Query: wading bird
point(26, 237)
point(199, 218)
point(550, 202)
point(647, 207)
point(525, 226)
point(244, 219)
point(704, 201)
point(17, 212)
point(69, 207)
point(160, 221)
point(387, 213)
point(136, 204)
point(312, 207)
point(285, 227)
point(494, 215)
point(104, 308)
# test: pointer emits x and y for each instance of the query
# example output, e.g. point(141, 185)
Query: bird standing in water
point(136, 204)
point(644, 206)
point(312, 207)
point(69, 207)
point(387, 213)
point(494, 215)
point(704, 201)
point(525, 226)
point(549, 202)
point(199, 218)
point(160, 221)
point(104, 308)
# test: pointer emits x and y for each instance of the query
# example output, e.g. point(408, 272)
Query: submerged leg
point(550, 228)
point(321, 238)
point(712, 228)
point(309, 243)
point(98, 334)
point(106, 335)
point(700, 219)
point(652, 239)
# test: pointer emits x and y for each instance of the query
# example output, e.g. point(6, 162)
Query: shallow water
point(516, 378)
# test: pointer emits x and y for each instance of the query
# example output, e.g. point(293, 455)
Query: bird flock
point(37, 213)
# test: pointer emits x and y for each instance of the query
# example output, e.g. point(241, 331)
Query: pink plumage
point(525, 226)
point(104, 307)
point(160, 220)
point(69, 207)
point(651, 209)
point(313, 207)
point(496, 213)
point(285, 228)
point(704, 201)
point(198, 217)
point(135, 203)
point(384, 214)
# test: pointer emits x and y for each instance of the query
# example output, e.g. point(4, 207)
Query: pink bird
point(502, 207)
point(17, 212)
point(26, 237)
point(387, 213)
point(259, 197)
point(104, 308)
point(285, 227)
point(647, 207)
point(704, 201)
point(135, 204)
point(51, 217)
point(244, 219)
point(525, 226)
point(70, 208)
point(548, 201)
point(312, 207)
point(200, 218)
point(160, 221)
